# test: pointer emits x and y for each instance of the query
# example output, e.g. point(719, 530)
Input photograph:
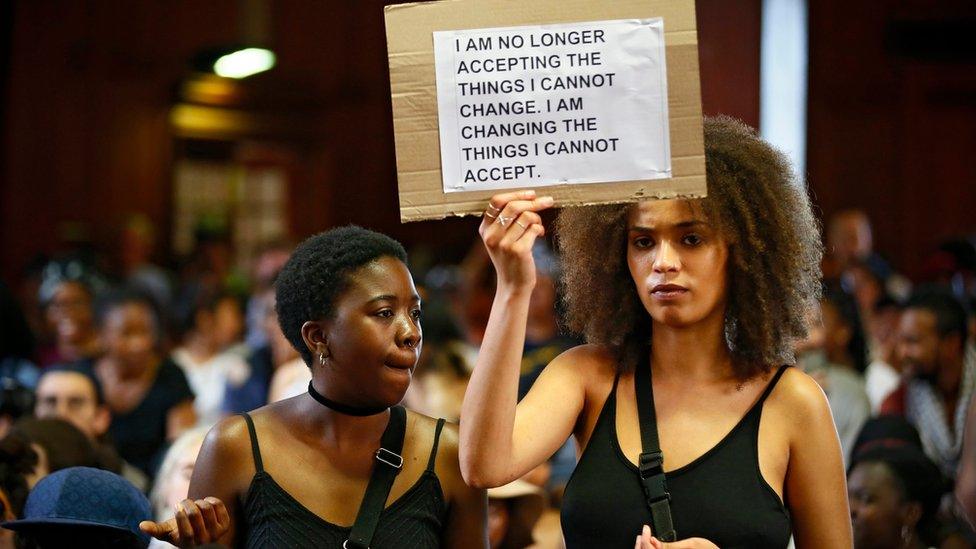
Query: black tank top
point(273, 518)
point(721, 496)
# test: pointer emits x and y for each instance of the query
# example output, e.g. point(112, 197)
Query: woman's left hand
point(647, 541)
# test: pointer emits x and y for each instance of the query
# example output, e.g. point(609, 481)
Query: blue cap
point(83, 496)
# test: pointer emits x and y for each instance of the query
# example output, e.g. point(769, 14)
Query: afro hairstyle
point(317, 274)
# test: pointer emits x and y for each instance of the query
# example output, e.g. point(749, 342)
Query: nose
point(667, 258)
point(408, 334)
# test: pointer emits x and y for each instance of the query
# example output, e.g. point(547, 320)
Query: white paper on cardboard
point(556, 104)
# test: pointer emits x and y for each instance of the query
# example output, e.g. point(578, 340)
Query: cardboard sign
point(590, 101)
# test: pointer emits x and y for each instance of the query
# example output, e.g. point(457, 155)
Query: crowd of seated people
point(127, 374)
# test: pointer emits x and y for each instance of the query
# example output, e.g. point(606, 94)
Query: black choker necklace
point(343, 408)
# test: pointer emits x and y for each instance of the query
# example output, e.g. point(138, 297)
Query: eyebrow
point(681, 225)
point(391, 297)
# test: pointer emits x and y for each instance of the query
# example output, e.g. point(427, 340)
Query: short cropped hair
point(81, 370)
point(773, 268)
point(317, 274)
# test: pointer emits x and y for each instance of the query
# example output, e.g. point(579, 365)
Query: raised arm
point(499, 444)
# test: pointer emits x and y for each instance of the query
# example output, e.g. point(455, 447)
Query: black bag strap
point(651, 461)
point(389, 462)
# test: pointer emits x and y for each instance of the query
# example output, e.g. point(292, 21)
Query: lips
point(668, 290)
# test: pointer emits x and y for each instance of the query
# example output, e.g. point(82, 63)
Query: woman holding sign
point(687, 418)
point(341, 465)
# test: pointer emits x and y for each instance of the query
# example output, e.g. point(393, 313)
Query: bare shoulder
point(799, 399)
point(588, 363)
point(229, 436)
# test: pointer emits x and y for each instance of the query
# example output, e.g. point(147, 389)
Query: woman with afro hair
point(699, 302)
point(294, 473)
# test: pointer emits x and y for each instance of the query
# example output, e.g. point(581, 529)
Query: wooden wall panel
point(86, 138)
point(892, 132)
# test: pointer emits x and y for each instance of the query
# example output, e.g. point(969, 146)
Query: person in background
point(513, 511)
point(58, 445)
point(894, 493)
point(17, 342)
point(267, 263)
point(173, 479)
point(18, 374)
point(965, 490)
point(83, 507)
point(277, 370)
point(67, 294)
point(828, 335)
point(148, 395)
point(940, 381)
point(75, 395)
point(136, 245)
point(18, 460)
point(210, 326)
point(882, 375)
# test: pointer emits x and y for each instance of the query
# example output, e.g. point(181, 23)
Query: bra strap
point(651, 461)
point(437, 439)
point(772, 383)
point(255, 450)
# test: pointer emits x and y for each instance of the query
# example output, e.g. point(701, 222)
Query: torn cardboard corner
point(590, 101)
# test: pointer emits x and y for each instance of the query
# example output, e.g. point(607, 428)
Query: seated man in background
point(74, 394)
point(939, 381)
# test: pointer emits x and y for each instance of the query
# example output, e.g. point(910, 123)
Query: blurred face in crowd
point(178, 483)
point(281, 349)
point(69, 313)
point(879, 511)
point(228, 322)
point(815, 332)
point(129, 334)
point(850, 236)
point(71, 396)
point(837, 334)
point(919, 343)
point(498, 519)
point(678, 262)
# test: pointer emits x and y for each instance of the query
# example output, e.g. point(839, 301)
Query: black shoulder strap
point(433, 449)
point(651, 461)
point(255, 450)
point(389, 462)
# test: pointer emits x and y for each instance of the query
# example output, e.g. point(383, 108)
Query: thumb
point(157, 530)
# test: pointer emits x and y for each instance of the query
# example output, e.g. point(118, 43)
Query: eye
point(415, 314)
point(385, 313)
point(643, 242)
point(692, 239)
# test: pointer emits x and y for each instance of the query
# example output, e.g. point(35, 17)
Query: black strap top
point(721, 496)
point(273, 518)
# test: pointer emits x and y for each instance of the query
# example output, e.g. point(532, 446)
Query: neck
point(339, 428)
point(201, 348)
point(78, 348)
point(694, 353)
point(948, 379)
point(127, 372)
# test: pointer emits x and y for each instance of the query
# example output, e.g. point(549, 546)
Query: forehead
point(871, 474)
point(919, 319)
point(660, 214)
point(382, 276)
point(65, 382)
